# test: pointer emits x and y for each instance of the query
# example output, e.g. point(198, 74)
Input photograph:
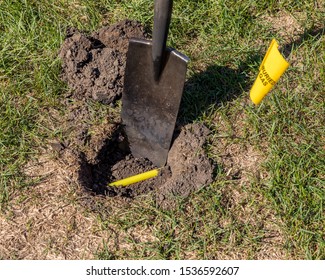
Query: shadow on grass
point(313, 32)
point(217, 85)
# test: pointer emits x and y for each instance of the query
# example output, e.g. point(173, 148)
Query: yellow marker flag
point(271, 69)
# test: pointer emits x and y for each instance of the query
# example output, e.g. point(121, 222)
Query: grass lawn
point(267, 200)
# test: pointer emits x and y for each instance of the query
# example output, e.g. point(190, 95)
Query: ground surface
point(241, 181)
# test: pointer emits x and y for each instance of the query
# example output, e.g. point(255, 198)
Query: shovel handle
point(161, 21)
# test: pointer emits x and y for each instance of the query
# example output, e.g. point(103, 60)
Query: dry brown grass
point(53, 219)
point(286, 25)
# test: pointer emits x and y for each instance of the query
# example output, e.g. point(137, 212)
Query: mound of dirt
point(93, 66)
point(189, 163)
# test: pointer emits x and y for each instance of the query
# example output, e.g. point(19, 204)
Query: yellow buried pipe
point(135, 179)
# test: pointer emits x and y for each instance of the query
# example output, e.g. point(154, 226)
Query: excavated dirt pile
point(93, 67)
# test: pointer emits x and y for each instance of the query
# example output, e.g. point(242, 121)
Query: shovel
point(153, 87)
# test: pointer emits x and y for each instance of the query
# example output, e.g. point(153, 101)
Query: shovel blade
point(150, 106)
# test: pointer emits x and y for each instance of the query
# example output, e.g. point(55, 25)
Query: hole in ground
point(188, 168)
point(114, 162)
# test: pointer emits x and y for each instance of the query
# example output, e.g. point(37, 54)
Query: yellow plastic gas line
point(135, 179)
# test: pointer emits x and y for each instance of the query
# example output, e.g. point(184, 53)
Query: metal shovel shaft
point(162, 17)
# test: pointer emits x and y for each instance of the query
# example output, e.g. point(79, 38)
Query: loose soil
point(93, 66)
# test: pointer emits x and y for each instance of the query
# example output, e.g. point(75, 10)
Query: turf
point(273, 205)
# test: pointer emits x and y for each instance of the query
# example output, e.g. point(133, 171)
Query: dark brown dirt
point(189, 163)
point(93, 66)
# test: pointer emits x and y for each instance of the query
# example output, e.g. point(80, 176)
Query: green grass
point(226, 41)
